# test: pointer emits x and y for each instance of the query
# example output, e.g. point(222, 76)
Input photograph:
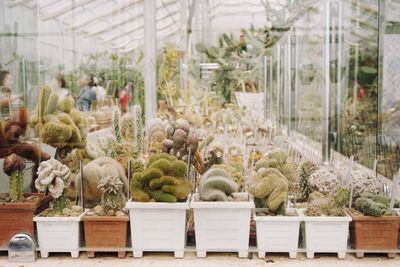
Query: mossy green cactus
point(368, 207)
point(51, 105)
point(66, 104)
point(272, 186)
point(217, 185)
point(341, 197)
point(163, 180)
point(54, 133)
point(278, 160)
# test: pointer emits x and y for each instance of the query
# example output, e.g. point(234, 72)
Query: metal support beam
point(66, 9)
point(326, 87)
point(150, 78)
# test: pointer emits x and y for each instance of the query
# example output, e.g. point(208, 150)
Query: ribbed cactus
point(373, 205)
point(306, 169)
point(13, 166)
point(164, 180)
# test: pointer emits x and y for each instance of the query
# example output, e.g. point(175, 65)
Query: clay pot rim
point(105, 218)
point(26, 205)
point(362, 217)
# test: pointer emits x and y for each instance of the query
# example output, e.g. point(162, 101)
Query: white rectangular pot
point(326, 234)
point(222, 226)
point(157, 226)
point(58, 234)
point(278, 233)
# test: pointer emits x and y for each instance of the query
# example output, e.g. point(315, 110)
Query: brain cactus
point(217, 185)
point(54, 176)
point(270, 188)
point(113, 197)
point(365, 181)
point(163, 180)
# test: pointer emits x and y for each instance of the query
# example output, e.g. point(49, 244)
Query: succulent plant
point(112, 197)
point(373, 205)
point(217, 185)
point(279, 161)
point(214, 155)
point(365, 181)
point(163, 180)
point(306, 169)
point(270, 187)
point(323, 180)
point(235, 171)
point(54, 176)
point(57, 122)
point(116, 126)
point(13, 166)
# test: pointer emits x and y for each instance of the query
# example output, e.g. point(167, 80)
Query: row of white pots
point(219, 227)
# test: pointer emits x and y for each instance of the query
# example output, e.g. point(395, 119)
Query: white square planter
point(58, 234)
point(326, 234)
point(278, 233)
point(157, 226)
point(222, 226)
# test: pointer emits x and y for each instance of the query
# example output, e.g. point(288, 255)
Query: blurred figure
point(6, 79)
point(100, 91)
point(61, 86)
point(123, 96)
point(86, 94)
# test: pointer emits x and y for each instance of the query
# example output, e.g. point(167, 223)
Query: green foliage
point(59, 204)
point(306, 169)
point(341, 197)
point(16, 186)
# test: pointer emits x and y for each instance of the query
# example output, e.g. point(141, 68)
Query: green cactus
point(161, 196)
point(116, 126)
point(161, 180)
point(368, 207)
point(17, 186)
point(51, 104)
point(138, 123)
point(66, 104)
point(381, 199)
point(178, 169)
point(306, 169)
point(76, 116)
point(272, 186)
point(113, 197)
point(59, 204)
point(162, 164)
point(56, 133)
point(341, 197)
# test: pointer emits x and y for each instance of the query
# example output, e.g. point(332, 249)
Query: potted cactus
point(17, 209)
point(277, 226)
point(219, 201)
point(326, 222)
point(58, 227)
point(160, 200)
point(375, 226)
point(106, 224)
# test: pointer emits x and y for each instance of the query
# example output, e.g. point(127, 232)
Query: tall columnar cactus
point(113, 197)
point(54, 176)
point(13, 166)
point(116, 126)
point(306, 169)
point(164, 180)
point(138, 124)
point(217, 185)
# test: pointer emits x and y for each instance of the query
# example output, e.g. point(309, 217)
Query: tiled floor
point(212, 260)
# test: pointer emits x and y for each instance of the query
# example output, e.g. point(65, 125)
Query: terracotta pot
point(105, 233)
point(374, 233)
point(18, 217)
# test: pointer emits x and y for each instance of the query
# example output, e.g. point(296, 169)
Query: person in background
point(6, 83)
point(100, 91)
point(6, 79)
point(86, 94)
point(123, 96)
point(61, 86)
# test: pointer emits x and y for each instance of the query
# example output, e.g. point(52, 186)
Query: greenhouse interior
point(199, 132)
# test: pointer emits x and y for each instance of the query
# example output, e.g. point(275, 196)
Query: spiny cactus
point(138, 124)
point(164, 180)
point(279, 161)
point(113, 197)
point(116, 126)
point(270, 186)
point(373, 205)
point(217, 185)
point(306, 169)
